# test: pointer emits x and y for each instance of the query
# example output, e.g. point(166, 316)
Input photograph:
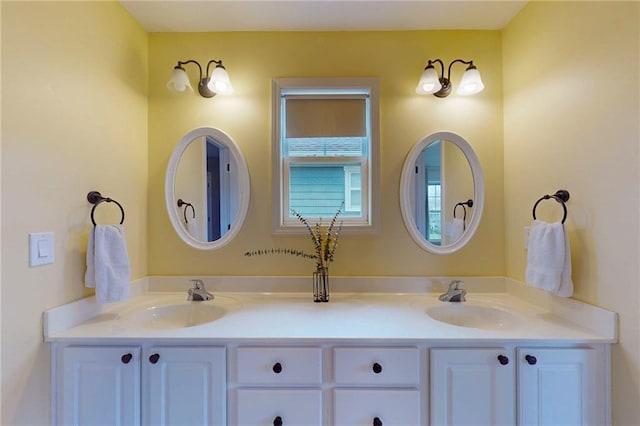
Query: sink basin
point(473, 316)
point(178, 315)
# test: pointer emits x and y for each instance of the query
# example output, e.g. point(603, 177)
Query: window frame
point(281, 224)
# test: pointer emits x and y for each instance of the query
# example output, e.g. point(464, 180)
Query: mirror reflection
point(207, 188)
point(442, 192)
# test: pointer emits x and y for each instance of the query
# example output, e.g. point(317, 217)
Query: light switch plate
point(41, 250)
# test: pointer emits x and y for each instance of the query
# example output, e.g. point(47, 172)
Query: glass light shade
point(179, 81)
point(429, 82)
point(471, 83)
point(219, 81)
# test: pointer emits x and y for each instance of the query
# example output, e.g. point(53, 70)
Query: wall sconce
point(430, 83)
point(208, 86)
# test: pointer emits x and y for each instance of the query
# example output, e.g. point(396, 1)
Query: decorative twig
point(294, 252)
point(324, 242)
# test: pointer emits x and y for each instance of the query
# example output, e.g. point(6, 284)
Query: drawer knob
point(377, 421)
point(377, 368)
point(277, 421)
point(126, 358)
point(503, 360)
point(277, 368)
point(532, 360)
point(153, 359)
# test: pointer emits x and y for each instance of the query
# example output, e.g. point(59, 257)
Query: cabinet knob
point(377, 368)
point(503, 360)
point(277, 368)
point(126, 358)
point(153, 359)
point(532, 360)
point(277, 421)
point(377, 421)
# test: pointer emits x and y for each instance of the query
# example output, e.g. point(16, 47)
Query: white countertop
point(348, 316)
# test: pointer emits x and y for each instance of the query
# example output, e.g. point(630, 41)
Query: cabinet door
point(279, 407)
point(377, 407)
point(184, 386)
point(99, 386)
point(559, 387)
point(472, 387)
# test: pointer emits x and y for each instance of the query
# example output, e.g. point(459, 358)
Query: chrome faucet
point(454, 293)
point(198, 292)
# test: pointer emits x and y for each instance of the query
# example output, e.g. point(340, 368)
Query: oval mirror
point(207, 188)
point(441, 192)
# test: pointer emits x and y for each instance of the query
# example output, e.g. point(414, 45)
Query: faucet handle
point(198, 284)
point(454, 285)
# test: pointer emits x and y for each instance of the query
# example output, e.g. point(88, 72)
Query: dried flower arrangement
point(325, 241)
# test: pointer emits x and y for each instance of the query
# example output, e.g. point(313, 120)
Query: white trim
point(349, 171)
point(406, 192)
point(280, 86)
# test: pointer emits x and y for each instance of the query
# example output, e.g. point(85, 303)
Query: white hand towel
point(192, 228)
point(455, 230)
point(108, 268)
point(549, 258)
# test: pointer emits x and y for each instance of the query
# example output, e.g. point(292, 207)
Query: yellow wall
point(74, 119)
point(397, 59)
point(571, 114)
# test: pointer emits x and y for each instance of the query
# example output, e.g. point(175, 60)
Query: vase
point(321, 284)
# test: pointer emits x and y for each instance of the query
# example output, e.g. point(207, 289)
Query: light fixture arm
point(213, 61)
point(191, 61)
point(431, 62)
point(470, 63)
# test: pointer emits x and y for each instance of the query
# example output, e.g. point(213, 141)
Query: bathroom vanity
point(274, 358)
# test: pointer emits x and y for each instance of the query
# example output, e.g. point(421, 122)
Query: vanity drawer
point(389, 407)
point(377, 366)
point(279, 365)
point(279, 407)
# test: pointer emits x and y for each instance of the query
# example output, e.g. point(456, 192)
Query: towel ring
point(187, 205)
point(95, 198)
point(464, 209)
point(561, 196)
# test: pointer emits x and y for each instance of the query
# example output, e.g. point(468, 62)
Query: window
point(435, 213)
point(428, 193)
point(325, 151)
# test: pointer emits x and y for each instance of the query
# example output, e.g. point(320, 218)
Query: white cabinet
point(184, 386)
point(472, 387)
point(103, 385)
point(545, 386)
point(560, 387)
point(330, 383)
point(98, 386)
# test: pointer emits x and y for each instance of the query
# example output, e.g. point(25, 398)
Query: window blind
point(325, 117)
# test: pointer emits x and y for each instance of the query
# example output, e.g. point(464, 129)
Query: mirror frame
point(243, 187)
point(406, 193)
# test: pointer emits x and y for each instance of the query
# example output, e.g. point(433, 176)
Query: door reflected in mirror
point(207, 188)
point(441, 192)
